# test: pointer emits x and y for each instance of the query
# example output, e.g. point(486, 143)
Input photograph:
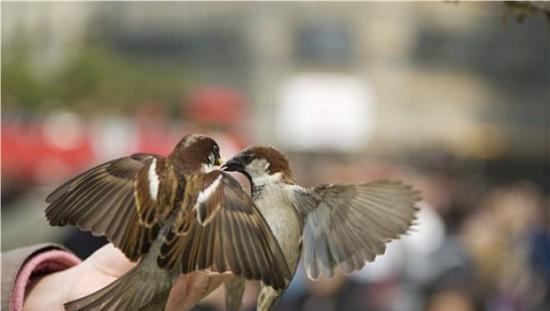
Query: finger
point(190, 288)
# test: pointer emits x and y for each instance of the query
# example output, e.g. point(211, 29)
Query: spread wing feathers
point(102, 200)
point(226, 234)
point(347, 225)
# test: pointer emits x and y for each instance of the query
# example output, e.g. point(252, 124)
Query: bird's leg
point(267, 298)
point(234, 290)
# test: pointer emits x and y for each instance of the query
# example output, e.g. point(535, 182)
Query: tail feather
point(130, 292)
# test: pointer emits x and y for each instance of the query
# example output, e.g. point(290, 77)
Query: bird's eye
point(247, 157)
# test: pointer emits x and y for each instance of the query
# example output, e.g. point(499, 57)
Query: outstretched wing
point(221, 230)
point(105, 201)
point(347, 225)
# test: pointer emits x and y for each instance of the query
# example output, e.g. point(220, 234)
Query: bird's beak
point(233, 165)
point(219, 161)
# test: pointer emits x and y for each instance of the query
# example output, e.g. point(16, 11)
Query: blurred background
point(453, 98)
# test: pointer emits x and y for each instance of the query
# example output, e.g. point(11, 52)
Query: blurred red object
point(26, 152)
point(216, 106)
point(154, 131)
point(47, 151)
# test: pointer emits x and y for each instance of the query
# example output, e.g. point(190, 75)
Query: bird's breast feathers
point(275, 204)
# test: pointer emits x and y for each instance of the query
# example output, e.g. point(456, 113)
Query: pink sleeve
point(43, 263)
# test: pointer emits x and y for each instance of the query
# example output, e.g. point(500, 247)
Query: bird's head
point(261, 164)
point(197, 151)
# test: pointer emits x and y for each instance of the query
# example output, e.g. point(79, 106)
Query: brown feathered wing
point(104, 201)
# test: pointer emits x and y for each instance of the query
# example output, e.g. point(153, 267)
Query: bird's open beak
point(233, 165)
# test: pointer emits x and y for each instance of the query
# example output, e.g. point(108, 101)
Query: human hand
point(100, 269)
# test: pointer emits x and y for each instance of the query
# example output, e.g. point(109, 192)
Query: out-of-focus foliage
point(108, 78)
point(19, 84)
point(95, 76)
point(519, 10)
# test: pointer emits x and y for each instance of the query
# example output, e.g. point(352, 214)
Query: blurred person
point(416, 262)
point(540, 264)
point(450, 300)
point(501, 238)
point(340, 293)
point(451, 297)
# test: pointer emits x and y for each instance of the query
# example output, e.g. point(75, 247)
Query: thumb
point(110, 261)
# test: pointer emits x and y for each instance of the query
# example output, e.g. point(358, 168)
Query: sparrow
point(341, 225)
point(176, 215)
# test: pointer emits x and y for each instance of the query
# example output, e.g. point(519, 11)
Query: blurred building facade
point(443, 75)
